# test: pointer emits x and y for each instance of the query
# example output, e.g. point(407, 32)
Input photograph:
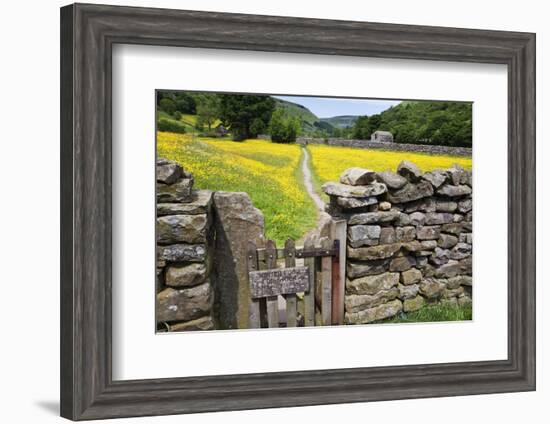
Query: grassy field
point(330, 161)
point(268, 172)
point(434, 313)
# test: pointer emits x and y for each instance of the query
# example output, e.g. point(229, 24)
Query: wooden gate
point(308, 280)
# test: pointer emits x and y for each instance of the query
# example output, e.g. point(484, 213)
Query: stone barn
point(382, 136)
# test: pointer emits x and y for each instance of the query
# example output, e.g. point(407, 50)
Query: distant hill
point(343, 121)
point(307, 117)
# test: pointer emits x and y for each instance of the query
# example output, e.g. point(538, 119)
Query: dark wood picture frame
point(88, 33)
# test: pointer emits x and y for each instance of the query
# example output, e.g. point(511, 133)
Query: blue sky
point(326, 107)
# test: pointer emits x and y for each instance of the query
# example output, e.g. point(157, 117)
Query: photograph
point(277, 211)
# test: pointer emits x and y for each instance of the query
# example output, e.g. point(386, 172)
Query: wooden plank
point(326, 292)
point(278, 281)
point(309, 297)
point(290, 262)
point(254, 305)
point(272, 303)
point(338, 233)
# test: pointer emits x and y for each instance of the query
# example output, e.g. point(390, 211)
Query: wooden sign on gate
point(273, 282)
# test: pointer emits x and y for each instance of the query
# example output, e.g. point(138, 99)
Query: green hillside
point(343, 121)
point(306, 117)
point(439, 123)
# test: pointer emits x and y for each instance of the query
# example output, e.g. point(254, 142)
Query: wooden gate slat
point(339, 232)
point(309, 296)
point(272, 302)
point(290, 261)
point(326, 292)
point(254, 305)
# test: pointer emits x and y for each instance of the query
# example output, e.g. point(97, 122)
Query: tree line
point(440, 123)
point(245, 116)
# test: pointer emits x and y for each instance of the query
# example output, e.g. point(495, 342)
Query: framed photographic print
point(264, 212)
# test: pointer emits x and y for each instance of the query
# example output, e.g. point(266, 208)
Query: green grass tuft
point(433, 313)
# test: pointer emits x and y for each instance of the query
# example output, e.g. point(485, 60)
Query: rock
point(405, 233)
point(200, 203)
point(384, 206)
point(409, 170)
point(465, 238)
point(439, 256)
point(435, 218)
point(363, 235)
point(377, 313)
point(180, 191)
point(465, 205)
point(372, 284)
point(461, 251)
point(357, 176)
point(356, 303)
point(344, 190)
point(426, 204)
point(200, 324)
point(465, 301)
point(452, 228)
point(459, 280)
point(407, 292)
point(428, 244)
point(466, 266)
point(373, 217)
point(382, 251)
point(449, 270)
point(354, 202)
point(411, 192)
point(445, 206)
point(411, 305)
point(184, 304)
point(446, 241)
point(411, 276)
point(431, 288)
point(436, 177)
point(457, 175)
point(168, 173)
point(185, 275)
point(421, 261)
point(452, 301)
point(467, 226)
point(173, 229)
point(454, 191)
point(237, 222)
point(391, 180)
point(428, 233)
point(360, 269)
point(417, 219)
point(411, 246)
point(449, 293)
point(402, 263)
point(402, 220)
point(458, 218)
point(387, 235)
point(182, 253)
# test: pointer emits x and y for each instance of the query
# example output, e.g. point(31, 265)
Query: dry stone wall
point(185, 236)
point(407, 147)
point(409, 240)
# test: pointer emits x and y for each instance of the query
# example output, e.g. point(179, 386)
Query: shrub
point(170, 126)
point(168, 105)
point(282, 129)
point(177, 115)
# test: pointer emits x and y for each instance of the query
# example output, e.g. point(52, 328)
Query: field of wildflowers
point(268, 172)
point(330, 161)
